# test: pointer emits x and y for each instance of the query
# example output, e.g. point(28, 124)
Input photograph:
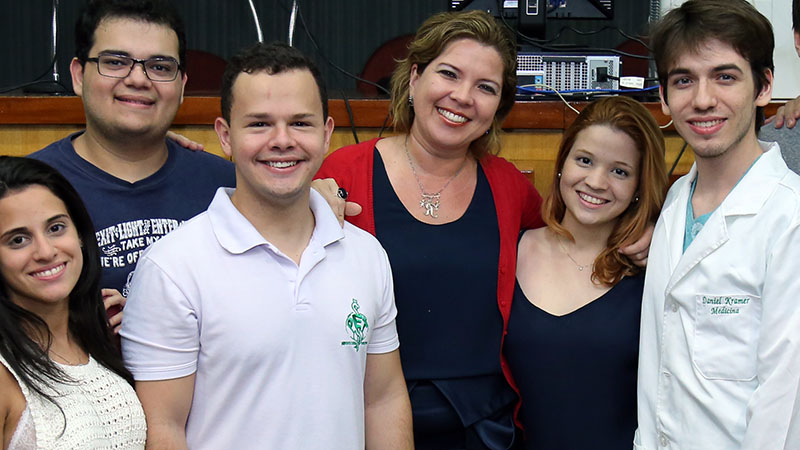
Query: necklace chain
point(66, 361)
point(564, 249)
point(430, 202)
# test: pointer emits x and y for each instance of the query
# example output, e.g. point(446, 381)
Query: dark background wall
point(347, 31)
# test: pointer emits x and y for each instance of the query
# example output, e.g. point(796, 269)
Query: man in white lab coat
point(719, 360)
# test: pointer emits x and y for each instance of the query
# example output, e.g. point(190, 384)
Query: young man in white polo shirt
point(275, 326)
point(719, 359)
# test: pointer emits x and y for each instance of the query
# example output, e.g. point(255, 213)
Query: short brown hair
point(733, 22)
point(273, 58)
point(633, 119)
point(431, 39)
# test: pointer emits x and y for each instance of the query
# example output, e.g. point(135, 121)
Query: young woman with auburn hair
point(572, 342)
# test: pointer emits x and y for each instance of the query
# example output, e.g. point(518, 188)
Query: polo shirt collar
point(327, 229)
point(237, 235)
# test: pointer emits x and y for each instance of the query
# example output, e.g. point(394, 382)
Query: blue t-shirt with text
point(130, 216)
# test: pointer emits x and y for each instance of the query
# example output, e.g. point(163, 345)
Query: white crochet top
point(101, 409)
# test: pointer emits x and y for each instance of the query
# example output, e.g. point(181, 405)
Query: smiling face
point(277, 135)
point(40, 252)
point(712, 100)
point(132, 106)
point(457, 95)
point(599, 177)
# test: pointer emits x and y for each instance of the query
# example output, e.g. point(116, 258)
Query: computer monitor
point(580, 9)
point(534, 14)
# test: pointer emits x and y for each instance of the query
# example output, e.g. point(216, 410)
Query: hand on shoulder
point(786, 114)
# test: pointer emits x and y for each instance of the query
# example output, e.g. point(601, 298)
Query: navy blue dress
point(445, 280)
point(577, 373)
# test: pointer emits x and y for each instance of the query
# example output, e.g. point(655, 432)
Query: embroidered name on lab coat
point(723, 305)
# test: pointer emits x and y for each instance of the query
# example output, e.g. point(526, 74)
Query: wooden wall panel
point(530, 139)
point(529, 150)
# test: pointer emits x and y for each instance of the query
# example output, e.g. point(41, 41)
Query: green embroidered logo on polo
point(357, 327)
point(725, 305)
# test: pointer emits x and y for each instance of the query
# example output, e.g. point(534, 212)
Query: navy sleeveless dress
point(577, 373)
point(445, 280)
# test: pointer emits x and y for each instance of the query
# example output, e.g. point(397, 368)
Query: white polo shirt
point(279, 350)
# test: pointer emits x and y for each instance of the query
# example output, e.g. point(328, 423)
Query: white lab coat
point(719, 361)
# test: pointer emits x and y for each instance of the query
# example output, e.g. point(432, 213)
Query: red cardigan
point(516, 201)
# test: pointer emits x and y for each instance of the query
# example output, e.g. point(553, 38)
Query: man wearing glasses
point(137, 184)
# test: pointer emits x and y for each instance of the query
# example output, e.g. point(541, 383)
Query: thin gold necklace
point(564, 249)
point(430, 202)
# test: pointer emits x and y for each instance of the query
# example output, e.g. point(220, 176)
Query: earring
point(636, 199)
point(559, 175)
point(410, 100)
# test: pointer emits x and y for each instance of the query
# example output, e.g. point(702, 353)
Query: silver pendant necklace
point(430, 202)
point(564, 249)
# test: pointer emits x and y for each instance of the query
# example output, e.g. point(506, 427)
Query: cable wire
point(33, 83)
point(37, 80)
point(680, 154)
point(331, 63)
point(529, 87)
point(542, 43)
point(591, 32)
point(350, 115)
point(335, 66)
point(612, 77)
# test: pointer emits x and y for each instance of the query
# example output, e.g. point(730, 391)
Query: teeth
point(282, 164)
point(707, 124)
point(590, 199)
point(453, 117)
point(49, 272)
point(140, 102)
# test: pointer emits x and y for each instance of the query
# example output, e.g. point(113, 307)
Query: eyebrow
point(124, 53)
point(720, 68)
point(678, 71)
point(588, 153)
point(25, 229)
point(14, 231)
point(726, 67)
point(498, 83)
point(270, 116)
point(623, 163)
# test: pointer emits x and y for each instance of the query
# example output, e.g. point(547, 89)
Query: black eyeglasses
point(118, 66)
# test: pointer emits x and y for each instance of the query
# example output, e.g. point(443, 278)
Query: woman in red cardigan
point(449, 213)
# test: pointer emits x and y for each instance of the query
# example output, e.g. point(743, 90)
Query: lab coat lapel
point(710, 238)
point(746, 198)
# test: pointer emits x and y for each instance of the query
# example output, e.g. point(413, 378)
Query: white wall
point(787, 63)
